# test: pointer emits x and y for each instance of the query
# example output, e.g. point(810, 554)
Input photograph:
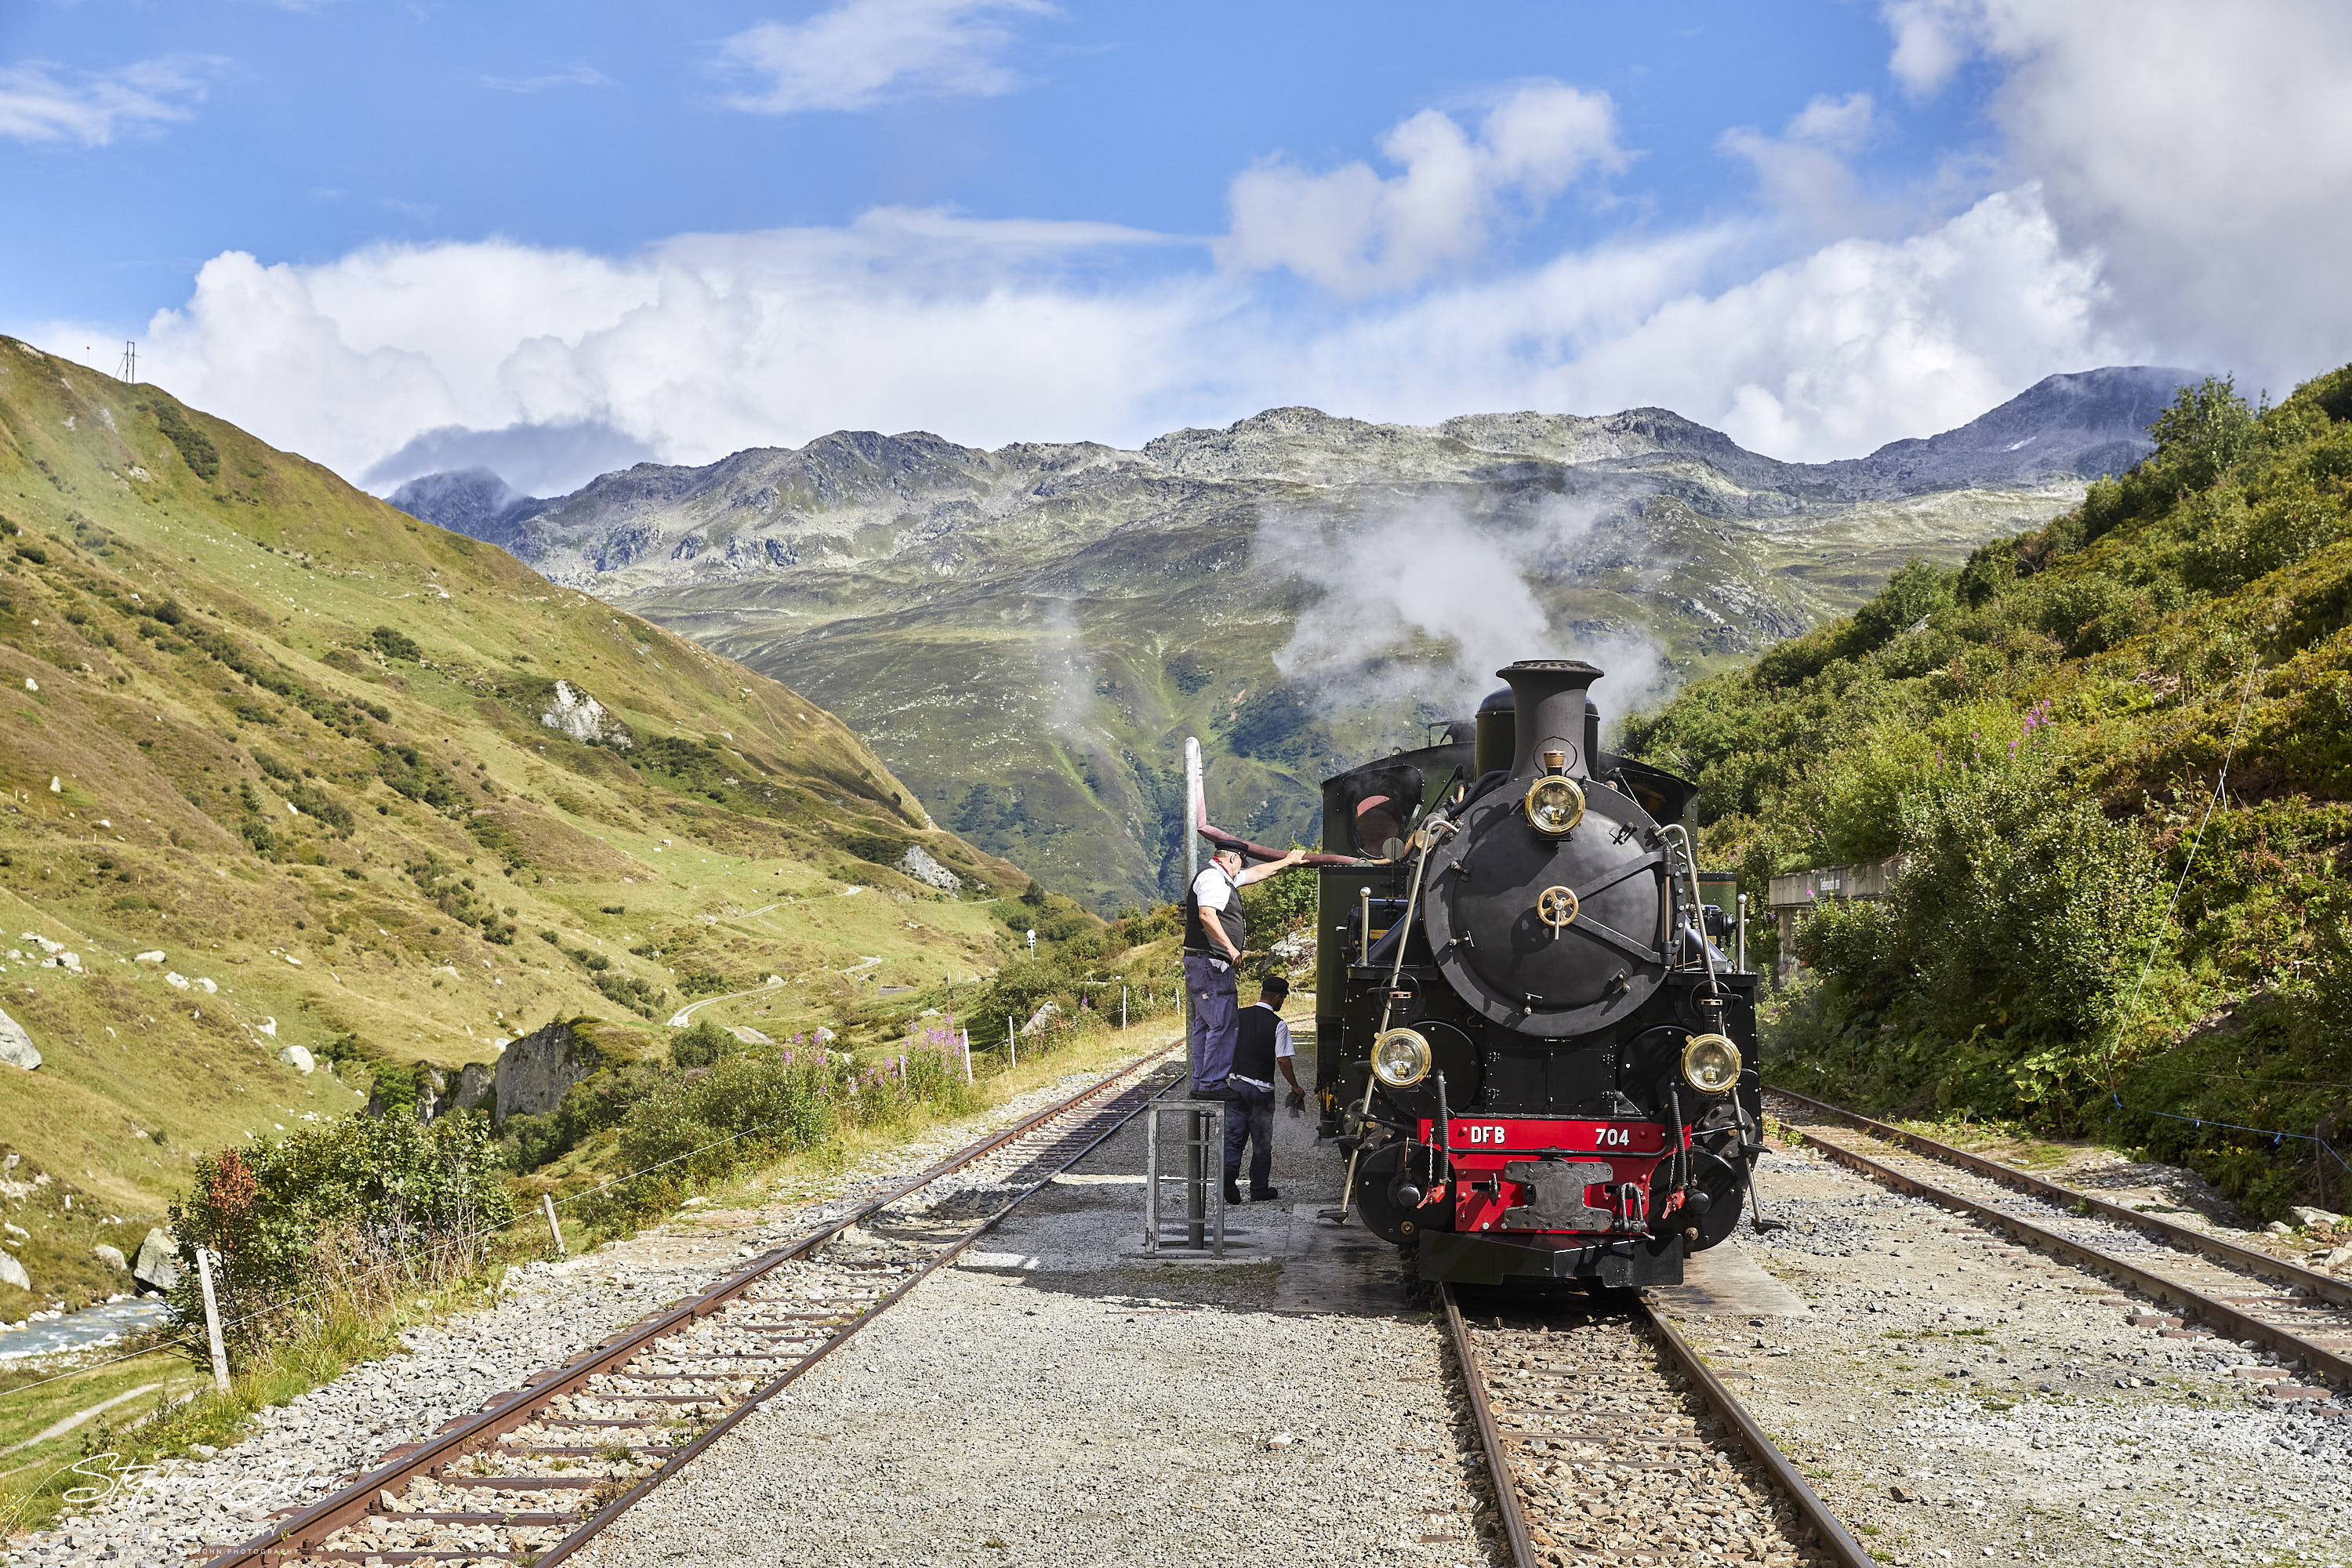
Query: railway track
point(537, 1472)
point(1607, 1437)
point(2214, 1286)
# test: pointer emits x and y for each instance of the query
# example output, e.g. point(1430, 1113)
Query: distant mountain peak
point(473, 501)
point(2077, 423)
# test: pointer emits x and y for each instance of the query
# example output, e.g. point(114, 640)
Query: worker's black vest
point(1254, 1043)
point(1196, 937)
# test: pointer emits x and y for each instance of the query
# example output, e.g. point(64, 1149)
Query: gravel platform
point(1059, 1398)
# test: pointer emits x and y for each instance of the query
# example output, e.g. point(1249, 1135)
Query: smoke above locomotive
point(1537, 1038)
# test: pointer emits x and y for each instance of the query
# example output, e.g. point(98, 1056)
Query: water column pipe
point(1196, 1189)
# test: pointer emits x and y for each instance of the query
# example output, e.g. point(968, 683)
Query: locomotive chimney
point(1548, 700)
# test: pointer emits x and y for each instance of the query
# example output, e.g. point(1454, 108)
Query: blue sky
point(557, 236)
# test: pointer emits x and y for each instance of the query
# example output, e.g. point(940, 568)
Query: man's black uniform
point(1261, 1040)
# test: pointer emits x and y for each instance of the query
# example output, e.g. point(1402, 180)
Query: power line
point(129, 371)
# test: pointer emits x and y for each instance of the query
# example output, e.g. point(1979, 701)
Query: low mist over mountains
point(1027, 634)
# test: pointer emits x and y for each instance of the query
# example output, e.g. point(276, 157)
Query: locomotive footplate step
point(1728, 1280)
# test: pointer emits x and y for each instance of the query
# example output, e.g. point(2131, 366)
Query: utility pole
point(130, 372)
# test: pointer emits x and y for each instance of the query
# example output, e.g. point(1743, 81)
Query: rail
point(2240, 1324)
point(1829, 1532)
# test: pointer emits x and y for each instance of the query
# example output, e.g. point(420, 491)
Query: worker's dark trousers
point(1249, 1124)
point(1215, 1018)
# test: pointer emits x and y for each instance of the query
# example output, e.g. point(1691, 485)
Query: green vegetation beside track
point(2039, 734)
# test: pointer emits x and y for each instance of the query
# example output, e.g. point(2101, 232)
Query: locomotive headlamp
point(1710, 1063)
point(1401, 1058)
point(1554, 805)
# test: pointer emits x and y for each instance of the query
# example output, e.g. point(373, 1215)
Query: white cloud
point(571, 76)
point(553, 364)
point(1931, 40)
point(692, 349)
point(863, 52)
point(1356, 233)
point(2199, 150)
point(1804, 173)
point(39, 102)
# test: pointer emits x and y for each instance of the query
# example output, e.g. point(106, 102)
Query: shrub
point(746, 1109)
point(195, 447)
point(702, 1045)
point(394, 643)
point(419, 1197)
point(2004, 943)
point(639, 995)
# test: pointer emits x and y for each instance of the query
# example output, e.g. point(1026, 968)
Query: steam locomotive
point(1535, 1050)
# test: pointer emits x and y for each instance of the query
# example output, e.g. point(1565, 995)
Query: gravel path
point(1961, 1399)
point(324, 1439)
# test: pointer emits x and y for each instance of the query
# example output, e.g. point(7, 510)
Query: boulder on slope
point(16, 1047)
point(157, 1266)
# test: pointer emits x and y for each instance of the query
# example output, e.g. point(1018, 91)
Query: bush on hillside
point(702, 1045)
point(1989, 976)
point(756, 1106)
point(359, 1204)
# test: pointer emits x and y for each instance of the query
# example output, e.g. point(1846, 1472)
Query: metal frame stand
point(1204, 1149)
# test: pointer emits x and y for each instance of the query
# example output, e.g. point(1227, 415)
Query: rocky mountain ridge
point(1068, 611)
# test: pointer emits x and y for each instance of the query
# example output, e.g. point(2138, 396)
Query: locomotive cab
point(1545, 1063)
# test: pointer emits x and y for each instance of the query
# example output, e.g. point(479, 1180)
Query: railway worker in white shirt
point(1261, 1045)
point(1214, 932)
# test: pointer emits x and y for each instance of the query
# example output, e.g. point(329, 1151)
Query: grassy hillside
point(2041, 731)
point(292, 741)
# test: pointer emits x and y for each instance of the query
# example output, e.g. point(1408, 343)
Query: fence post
point(1012, 1044)
point(1123, 1009)
point(547, 1207)
point(966, 1056)
point(212, 1320)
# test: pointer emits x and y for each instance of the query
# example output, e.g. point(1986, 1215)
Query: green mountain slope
point(297, 745)
point(2041, 732)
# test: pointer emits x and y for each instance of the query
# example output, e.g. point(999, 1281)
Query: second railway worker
point(1214, 932)
point(1263, 1046)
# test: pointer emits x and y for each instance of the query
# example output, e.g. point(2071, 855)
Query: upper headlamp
point(1401, 1058)
point(1554, 805)
point(1710, 1063)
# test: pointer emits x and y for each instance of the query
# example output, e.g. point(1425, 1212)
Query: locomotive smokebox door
point(1547, 912)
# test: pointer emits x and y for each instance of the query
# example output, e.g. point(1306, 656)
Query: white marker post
point(1012, 1046)
point(1123, 1009)
point(547, 1207)
point(212, 1320)
point(966, 1056)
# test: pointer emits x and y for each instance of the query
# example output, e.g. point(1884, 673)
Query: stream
point(86, 1330)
